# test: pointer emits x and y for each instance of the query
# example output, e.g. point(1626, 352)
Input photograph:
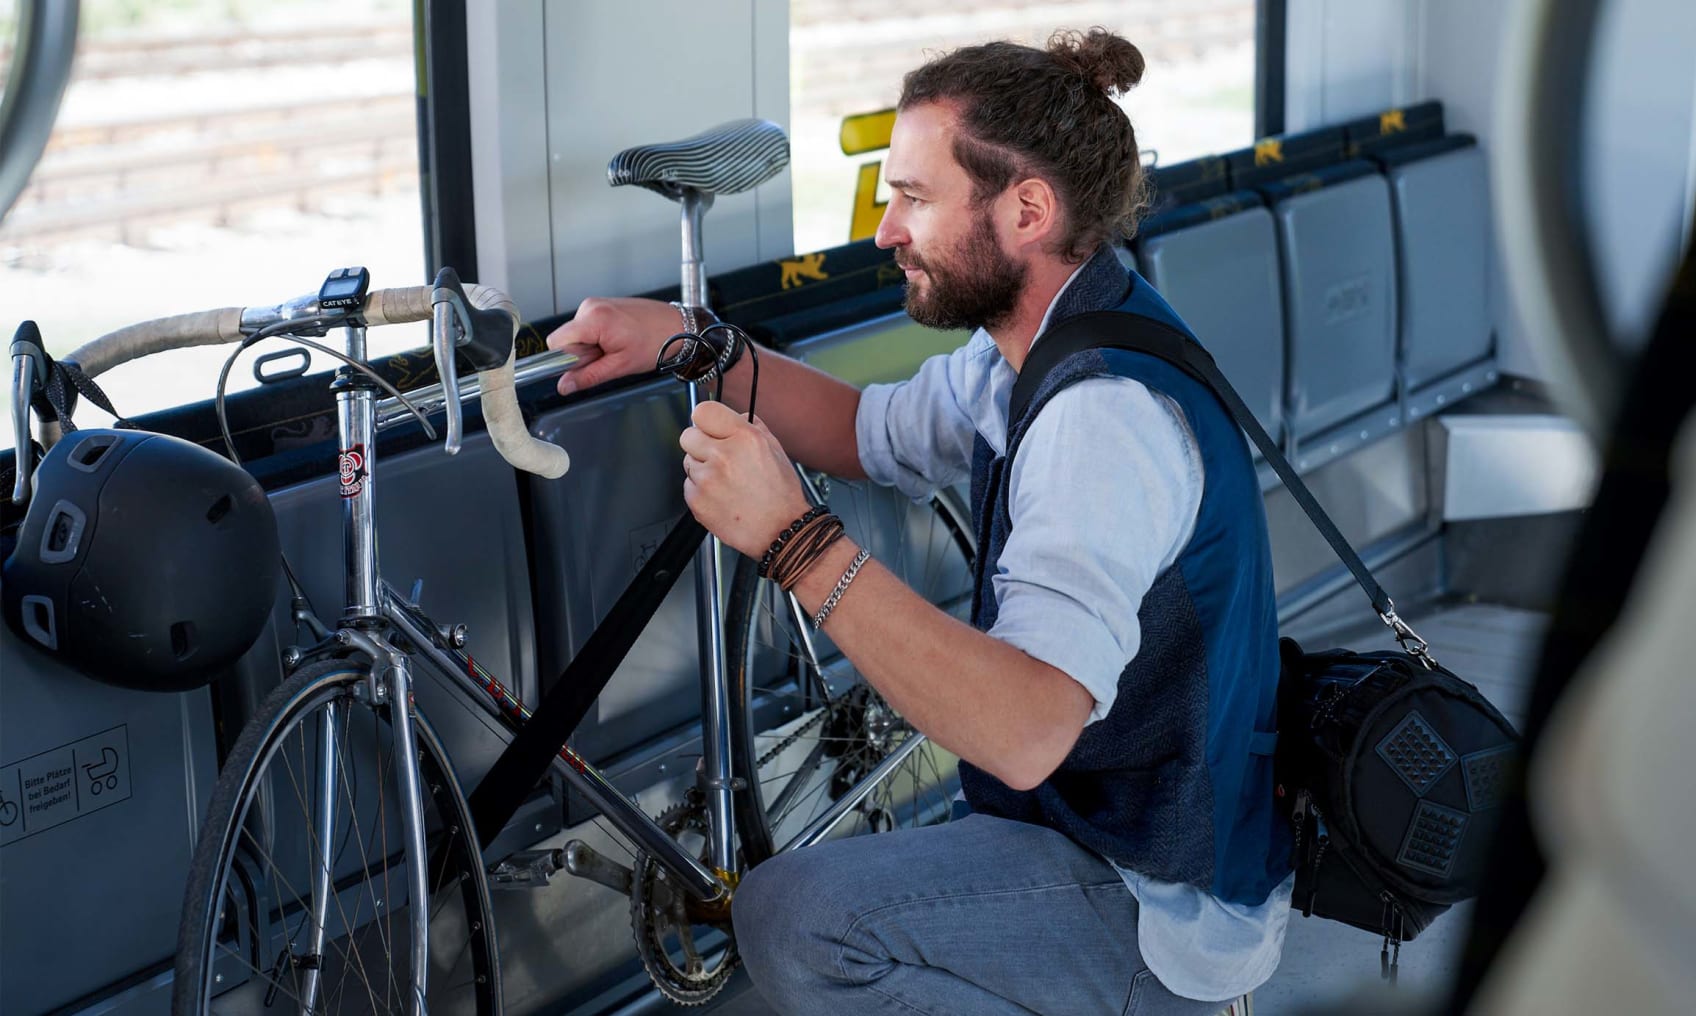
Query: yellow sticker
point(796, 271)
point(1268, 151)
point(867, 132)
point(868, 210)
point(1391, 121)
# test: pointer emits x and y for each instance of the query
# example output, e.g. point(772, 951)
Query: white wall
point(560, 86)
point(1348, 58)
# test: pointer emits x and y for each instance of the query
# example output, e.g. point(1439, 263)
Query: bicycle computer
point(345, 287)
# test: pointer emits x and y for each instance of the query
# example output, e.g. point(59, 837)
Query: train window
point(209, 153)
point(846, 59)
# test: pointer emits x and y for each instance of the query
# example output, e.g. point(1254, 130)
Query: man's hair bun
point(1108, 61)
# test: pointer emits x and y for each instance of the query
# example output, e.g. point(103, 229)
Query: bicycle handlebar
point(381, 307)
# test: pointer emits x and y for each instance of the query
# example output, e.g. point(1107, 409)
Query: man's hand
point(613, 338)
point(737, 480)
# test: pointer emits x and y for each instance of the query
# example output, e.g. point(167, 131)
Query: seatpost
point(694, 205)
point(715, 690)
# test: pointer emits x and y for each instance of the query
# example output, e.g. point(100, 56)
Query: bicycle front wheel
point(811, 729)
point(298, 890)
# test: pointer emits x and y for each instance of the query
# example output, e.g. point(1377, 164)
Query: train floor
point(1327, 966)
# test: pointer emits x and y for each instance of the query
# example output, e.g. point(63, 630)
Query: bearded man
point(1112, 697)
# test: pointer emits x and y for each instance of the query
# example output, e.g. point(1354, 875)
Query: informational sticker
point(64, 783)
point(646, 540)
point(351, 465)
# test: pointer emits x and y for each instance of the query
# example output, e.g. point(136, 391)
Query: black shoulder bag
point(1389, 766)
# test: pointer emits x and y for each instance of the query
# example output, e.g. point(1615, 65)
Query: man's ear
point(1035, 212)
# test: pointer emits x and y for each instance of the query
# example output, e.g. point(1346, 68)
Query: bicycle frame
point(371, 603)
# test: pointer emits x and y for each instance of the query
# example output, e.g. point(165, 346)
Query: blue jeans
point(982, 915)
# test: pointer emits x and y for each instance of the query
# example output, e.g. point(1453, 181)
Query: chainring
point(659, 916)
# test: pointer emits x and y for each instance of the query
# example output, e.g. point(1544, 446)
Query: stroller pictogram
point(8, 811)
point(104, 771)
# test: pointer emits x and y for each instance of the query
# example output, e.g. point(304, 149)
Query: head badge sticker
point(351, 465)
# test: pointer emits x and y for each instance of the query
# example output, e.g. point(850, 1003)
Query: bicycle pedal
point(527, 869)
point(584, 861)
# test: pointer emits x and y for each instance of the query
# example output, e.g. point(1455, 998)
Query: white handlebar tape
point(398, 306)
point(201, 328)
point(500, 403)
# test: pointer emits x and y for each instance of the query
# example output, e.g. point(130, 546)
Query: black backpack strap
point(1112, 329)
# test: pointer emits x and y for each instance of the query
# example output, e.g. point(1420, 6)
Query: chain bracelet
point(841, 587)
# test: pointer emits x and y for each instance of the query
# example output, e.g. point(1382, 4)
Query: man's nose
point(890, 231)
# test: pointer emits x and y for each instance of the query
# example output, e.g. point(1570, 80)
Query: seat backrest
point(1336, 241)
point(1220, 273)
point(105, 786)
point(591, 537)
point(1439, 194)
point(1393, 128)
point(480, 577)
point(1188, 182)
point(1275, 158)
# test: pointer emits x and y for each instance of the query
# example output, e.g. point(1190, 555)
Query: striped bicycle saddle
point(726, 159)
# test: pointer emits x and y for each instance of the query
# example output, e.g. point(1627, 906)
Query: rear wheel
point(248, 941)
point(812, 729)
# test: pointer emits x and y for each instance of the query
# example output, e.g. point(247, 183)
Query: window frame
point(444, 138)
point(1271, 56)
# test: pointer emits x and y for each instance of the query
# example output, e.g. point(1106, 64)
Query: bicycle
point(308, 876)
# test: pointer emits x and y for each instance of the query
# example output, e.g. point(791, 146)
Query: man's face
point(958, 275)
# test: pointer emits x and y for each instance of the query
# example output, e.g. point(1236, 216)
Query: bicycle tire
point(243, 913)
point(932, 547)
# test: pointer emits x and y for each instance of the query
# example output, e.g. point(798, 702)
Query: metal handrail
point(41, 66)
point(1537, 174)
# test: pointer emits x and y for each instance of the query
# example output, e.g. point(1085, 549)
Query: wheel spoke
point(364, 963)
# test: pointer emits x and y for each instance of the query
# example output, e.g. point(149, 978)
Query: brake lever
point(29, 372)
point(448, 312)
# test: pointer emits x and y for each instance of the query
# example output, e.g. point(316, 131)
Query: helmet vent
point(219, 509)
point(182, 639)
point(87, 455)
point(62, 535)
point(59, 532)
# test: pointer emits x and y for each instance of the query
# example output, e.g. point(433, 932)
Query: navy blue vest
point(1176, 781)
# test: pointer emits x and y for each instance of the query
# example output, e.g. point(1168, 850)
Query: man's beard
point(976, 284)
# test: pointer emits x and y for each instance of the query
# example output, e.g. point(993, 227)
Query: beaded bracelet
point(784, 537)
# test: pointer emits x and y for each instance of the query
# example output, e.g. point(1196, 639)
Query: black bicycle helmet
point(144, 561)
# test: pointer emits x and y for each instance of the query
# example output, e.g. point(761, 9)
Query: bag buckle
point(1415, 646)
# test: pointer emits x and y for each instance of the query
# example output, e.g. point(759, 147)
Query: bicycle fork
point(390, 679)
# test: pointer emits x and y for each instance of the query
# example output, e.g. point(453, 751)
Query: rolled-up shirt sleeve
point(916, 435)
point(1104, 494)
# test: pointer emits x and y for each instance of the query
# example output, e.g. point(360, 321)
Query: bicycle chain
point(795, 735)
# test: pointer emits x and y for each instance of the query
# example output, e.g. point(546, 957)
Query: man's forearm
point(985, 700)
point(810, 412)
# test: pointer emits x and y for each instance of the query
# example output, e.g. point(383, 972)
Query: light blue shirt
point(1092, 529)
